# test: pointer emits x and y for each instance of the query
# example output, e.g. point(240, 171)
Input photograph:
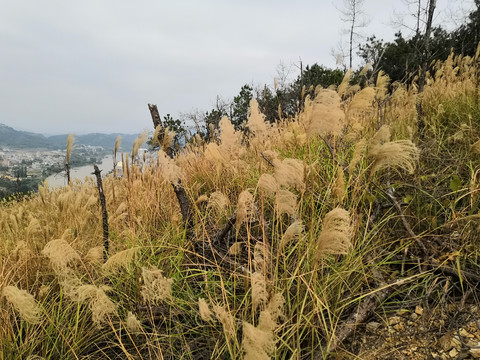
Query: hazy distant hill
point(15, 139)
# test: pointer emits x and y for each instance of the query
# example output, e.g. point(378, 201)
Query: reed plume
point(24, 303)
point(235, 249)
point(120, 260)
point(401, 154)
point(268, 184)
point(94, 255)
point(168, 169)
point(286, 203)
point(99, 303)
point(324, 114)
point(245, 207)
point(259, 289)
point(60, 253)
point(476, 146)
point(289, 172)
point(345, 84)
point(218, 201)
point(156, 288)
point(256, 120)
point(336, 234)
point(204, 310)
point(118, 141)
point(137, 143)
point(156, 134)
point(133, 324)
point(258, 342)
point(228, 136)
point(294, 231)
point(226, 319)
point(360, 148)
point(70, 140)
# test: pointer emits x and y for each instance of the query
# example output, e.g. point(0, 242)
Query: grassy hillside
point(297, 234)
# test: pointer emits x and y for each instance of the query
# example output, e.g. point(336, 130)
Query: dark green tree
point(240, 106)
point(467, 36)
point(402, 58)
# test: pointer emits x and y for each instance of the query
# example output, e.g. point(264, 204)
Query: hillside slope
point(339, 233)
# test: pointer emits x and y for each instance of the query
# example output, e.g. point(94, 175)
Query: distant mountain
point(16, 139)
point(9, 137)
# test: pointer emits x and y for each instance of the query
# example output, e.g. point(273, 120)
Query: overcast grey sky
point(92, 66)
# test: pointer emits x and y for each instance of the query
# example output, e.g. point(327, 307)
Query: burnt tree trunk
point(67, 169)
point(157, 121)
point(104, 212)
point(180, 193)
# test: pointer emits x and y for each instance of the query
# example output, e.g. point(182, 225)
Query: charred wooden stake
point(67, 169)
point(157, 121)
point(184, 202)
point(104, 212)
point(181, 194)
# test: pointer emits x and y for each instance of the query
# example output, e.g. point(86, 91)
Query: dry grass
point(314, 227)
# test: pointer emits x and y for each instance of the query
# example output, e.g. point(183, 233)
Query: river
point(81, 172)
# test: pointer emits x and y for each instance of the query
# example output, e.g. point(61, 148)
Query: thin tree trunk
point(419, 10)
point(352, 29)
point(423, 72)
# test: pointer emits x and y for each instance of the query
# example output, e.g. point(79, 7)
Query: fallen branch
point(466, 275)
point(364, 310)
point(221, 234)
